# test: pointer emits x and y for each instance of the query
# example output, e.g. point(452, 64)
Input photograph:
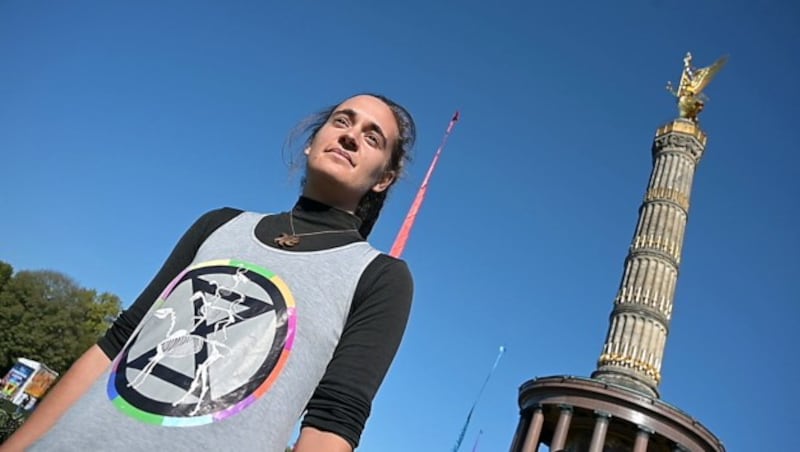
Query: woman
point(255, 319)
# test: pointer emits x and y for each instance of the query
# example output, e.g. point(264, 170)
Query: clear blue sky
point(121, 123)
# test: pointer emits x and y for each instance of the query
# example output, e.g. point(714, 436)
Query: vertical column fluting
point(639, 323)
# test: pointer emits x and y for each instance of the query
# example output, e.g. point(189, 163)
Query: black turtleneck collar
point(309, 215)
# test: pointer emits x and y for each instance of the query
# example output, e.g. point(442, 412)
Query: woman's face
point(350, 153)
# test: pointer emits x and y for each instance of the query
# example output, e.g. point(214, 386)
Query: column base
point(625, 381)
point(630, 412)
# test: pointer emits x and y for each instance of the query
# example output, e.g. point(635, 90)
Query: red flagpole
point(408, 223)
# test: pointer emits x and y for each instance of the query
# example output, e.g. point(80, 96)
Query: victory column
point(618, 408)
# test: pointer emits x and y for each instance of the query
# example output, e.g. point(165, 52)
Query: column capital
point(685, 127)
point(603, 414)
point(682, 142)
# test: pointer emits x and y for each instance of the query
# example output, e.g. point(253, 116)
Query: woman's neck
point(312, 211)
point(330, 201)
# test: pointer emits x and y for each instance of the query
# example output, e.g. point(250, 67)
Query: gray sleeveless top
point(228, 356)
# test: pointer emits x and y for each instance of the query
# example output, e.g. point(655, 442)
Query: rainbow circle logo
point(213, 343)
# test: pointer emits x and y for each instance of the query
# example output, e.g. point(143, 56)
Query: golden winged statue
point(690, 89)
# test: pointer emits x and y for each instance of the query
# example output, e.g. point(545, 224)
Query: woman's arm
point(83, 373)
point(313, 440)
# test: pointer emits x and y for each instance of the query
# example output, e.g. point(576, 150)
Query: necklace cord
point(289, 240)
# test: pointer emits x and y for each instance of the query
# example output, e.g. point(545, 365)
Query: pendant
point(286, 240)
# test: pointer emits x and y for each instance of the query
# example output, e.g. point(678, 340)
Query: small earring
point(307, 151)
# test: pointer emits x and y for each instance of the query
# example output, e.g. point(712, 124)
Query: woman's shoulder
point(220, 213)
point(386, 273)
point(390, 263)
point(212, 219)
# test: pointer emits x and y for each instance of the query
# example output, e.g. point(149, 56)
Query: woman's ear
point(386, 181)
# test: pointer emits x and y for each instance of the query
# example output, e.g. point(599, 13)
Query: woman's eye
point(373, 140)
point(340, 121)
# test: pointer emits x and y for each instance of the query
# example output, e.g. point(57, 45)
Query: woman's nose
point(348, 142)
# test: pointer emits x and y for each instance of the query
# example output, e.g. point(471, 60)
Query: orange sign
point(40, 383)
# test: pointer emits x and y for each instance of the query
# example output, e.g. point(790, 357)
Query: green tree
point(6, 270)
point(100, 311)
point(46, 316)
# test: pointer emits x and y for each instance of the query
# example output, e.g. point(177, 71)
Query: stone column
point(600, 429)
point(519, 434)
point(642, 438)
point(634, 347)
point(534, 430)
point(562, 428)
